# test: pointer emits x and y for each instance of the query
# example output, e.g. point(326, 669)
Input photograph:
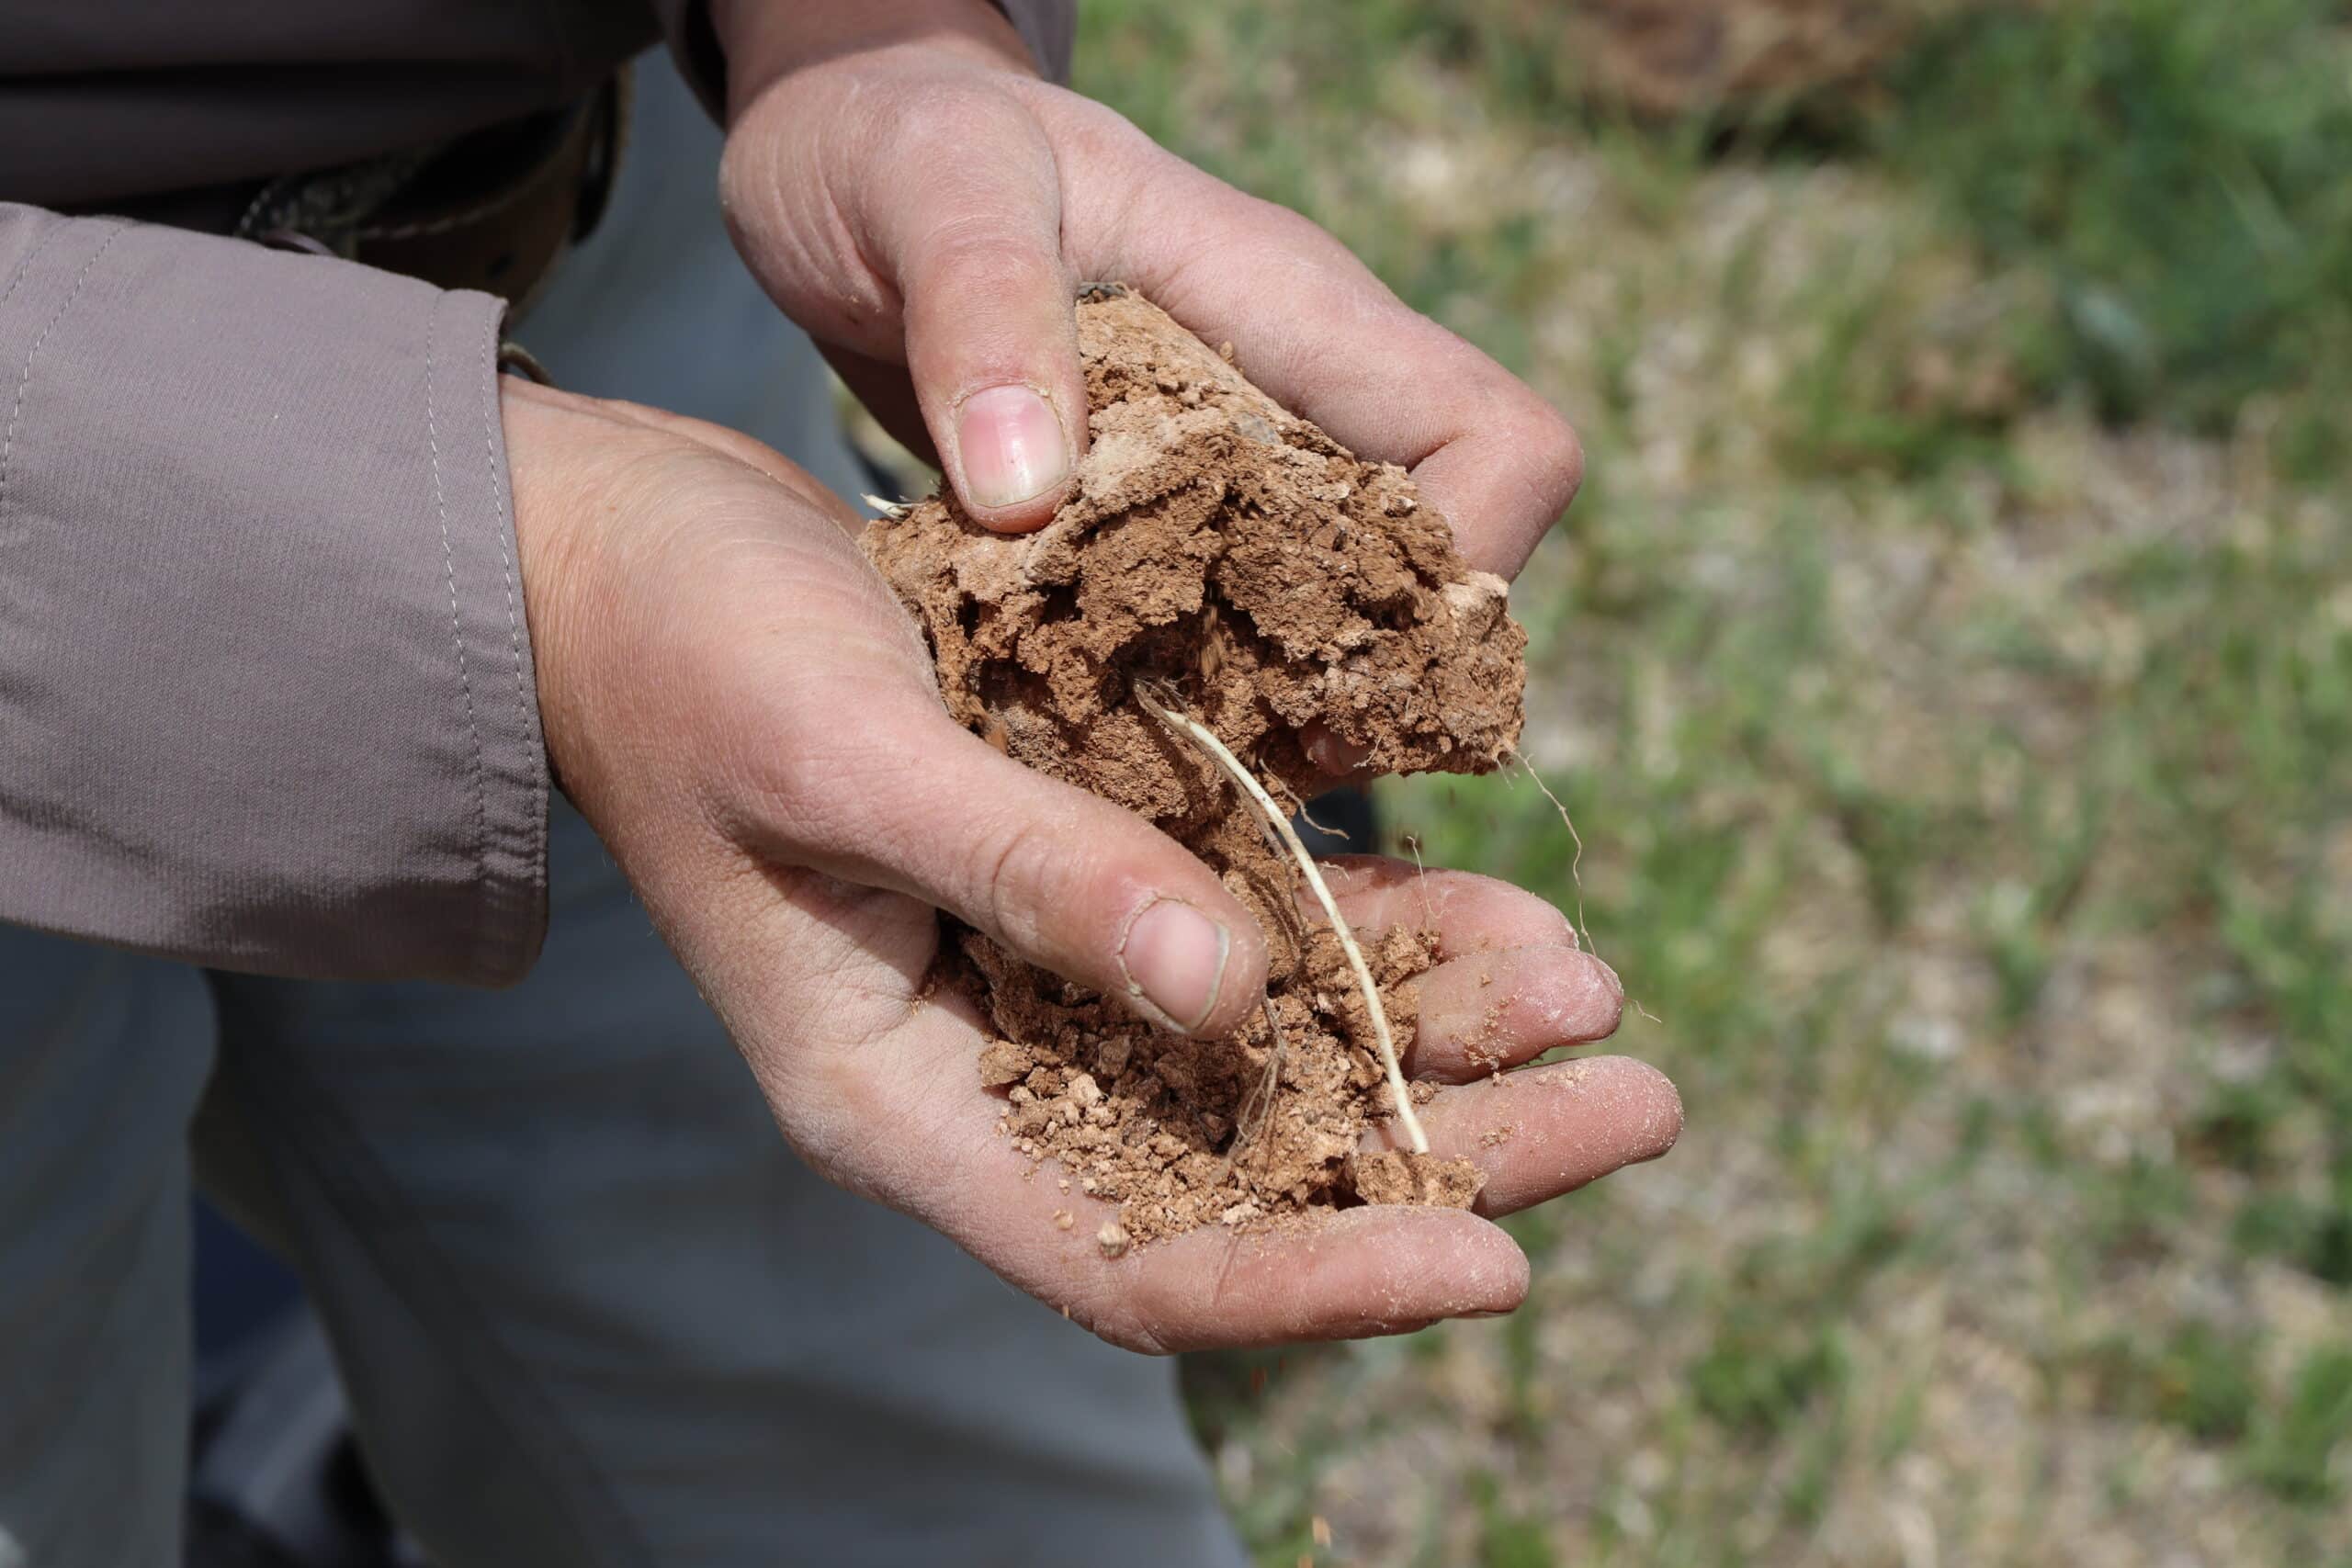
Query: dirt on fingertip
point(1233, 561)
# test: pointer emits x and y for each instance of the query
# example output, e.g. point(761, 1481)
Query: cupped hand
point(914, 197)
point(735, 700)
point(877, 1084)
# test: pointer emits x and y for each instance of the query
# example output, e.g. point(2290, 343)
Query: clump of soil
point(1237, 563)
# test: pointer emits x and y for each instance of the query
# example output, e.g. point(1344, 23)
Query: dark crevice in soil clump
point(1263, 579)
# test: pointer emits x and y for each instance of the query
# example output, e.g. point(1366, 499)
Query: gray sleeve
point(265, 692)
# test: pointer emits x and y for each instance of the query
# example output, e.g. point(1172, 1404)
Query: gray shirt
point(266, 688)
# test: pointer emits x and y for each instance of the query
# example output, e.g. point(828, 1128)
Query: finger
point(1347, 1275)
point(1479, 1014)
point(969, 236)
point(1318, 331)
point(1342, 1275)
point(1314, 328)
point(1544, 1131)
point(1465, 913)
point(1340, 760)
point(898, 1116)
point(1060, 877)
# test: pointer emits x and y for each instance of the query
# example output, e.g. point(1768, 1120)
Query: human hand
point(911, 195)
point(736, 701)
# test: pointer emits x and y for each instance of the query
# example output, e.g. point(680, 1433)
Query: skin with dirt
point(1231, 560)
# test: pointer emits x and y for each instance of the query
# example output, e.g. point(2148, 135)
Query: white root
point(1205, 739)
point(1576, 865)
point(1584, 931)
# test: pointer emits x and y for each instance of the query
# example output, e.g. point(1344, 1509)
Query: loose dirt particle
point(1401, 1176)
point(1269, 583)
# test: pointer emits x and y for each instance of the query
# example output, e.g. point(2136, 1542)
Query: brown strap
point(494, 210)
point(513, 359)
point(497, 216)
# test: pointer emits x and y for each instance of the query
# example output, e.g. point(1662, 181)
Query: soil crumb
point(1401, 1176)
point(1247, 569)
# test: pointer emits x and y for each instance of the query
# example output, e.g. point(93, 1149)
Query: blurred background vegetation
point(1950, 666)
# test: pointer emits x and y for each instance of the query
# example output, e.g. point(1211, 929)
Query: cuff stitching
point(456, 623)
point(505, 557)
point(25, 380)
point(533, 872)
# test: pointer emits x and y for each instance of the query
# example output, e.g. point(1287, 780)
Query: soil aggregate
point(1243, 566)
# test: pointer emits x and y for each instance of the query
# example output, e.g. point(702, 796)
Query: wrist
point(766, 40)
point(547, 451)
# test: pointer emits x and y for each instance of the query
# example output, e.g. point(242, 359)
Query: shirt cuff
point(263, 667)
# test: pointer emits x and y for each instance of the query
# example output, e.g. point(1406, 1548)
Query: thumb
point(972, 241)
point(1060, 877)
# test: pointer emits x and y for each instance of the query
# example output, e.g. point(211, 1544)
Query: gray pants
point(588, 1307)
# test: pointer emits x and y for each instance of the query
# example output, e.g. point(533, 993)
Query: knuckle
point(1556, 451)
point(961, 129)
point(983, 255)
point(957, 114)
point(1009, 862)
point(784, 791)
point(819, 785)
point(1090, 128)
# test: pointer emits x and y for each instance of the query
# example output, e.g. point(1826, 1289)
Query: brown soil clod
point(1227, 559)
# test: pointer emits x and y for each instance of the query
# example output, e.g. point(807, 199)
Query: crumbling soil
point(1245, 567)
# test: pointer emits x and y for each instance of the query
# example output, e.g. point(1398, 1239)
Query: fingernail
point(1012, 446)
point(1174, 962)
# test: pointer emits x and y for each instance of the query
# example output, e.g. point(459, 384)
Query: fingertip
point(1543, 1130)
point(1661, 1103)
point(1561, 996)
point(1496, 1273)
point(1593, 1003)
point(1633, 1111)
point(1014, 456)
point(1336, 757)
point(1193, 970)
point(1486, 1012)
point(1347, 1275)
point(1173, 959)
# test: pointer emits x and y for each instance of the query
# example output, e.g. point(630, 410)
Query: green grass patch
point(2294, 1457)
point(2178, 176)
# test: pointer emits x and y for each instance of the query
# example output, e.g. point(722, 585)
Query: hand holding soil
point(1226, 583)
point(924, 206)
point(908, 190)
point(813, 807)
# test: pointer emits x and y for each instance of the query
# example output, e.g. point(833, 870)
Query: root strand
point(1205, 739)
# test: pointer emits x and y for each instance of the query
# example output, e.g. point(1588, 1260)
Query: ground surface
point(1949, 665)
